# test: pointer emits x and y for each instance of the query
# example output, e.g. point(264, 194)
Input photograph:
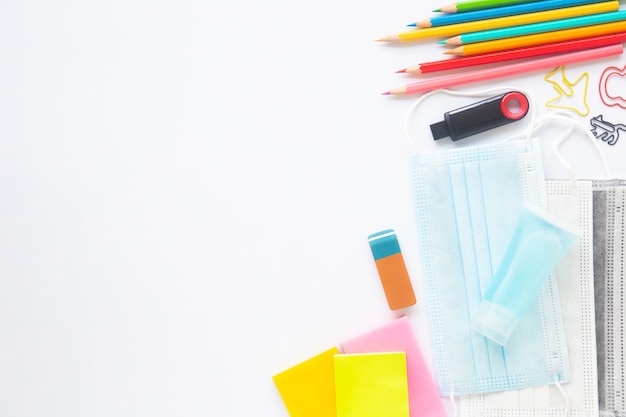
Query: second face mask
point(609, 234)
point(574, 275)
point(467, 204)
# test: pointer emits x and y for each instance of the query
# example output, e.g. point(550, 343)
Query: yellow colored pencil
point(501, 22)
point(538, 39)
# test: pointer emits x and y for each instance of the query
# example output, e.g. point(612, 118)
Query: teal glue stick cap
point(384, 244)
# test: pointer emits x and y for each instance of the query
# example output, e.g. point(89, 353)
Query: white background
point(187, 187)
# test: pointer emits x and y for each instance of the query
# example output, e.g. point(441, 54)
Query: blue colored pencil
point(495, 12)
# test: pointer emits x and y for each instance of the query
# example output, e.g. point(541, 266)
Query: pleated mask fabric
point(571, 201)
point(467, 202)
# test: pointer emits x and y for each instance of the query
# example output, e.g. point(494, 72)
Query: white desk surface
point(187, 187)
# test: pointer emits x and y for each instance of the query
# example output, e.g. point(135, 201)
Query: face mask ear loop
point(564, 394)
point(568, 167)
point(460, 94)
point(453, 401)
point(605, 165)
point(408, 117)
point(574, 124)
point(557, 143)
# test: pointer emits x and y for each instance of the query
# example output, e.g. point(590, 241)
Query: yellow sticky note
point(308, 389)
point(371, 385)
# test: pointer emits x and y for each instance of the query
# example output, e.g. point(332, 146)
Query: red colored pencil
point(518, 53)
point(487, 74)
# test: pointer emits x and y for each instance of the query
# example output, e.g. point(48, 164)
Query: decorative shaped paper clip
point(605, 96)
point(606, 131)
point(568, 91)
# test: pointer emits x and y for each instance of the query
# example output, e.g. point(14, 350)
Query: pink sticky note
point(397, 336)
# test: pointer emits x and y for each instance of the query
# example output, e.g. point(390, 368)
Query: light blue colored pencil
point(538, 6)
point(530, 29)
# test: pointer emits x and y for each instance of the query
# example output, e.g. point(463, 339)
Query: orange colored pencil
point(537, 39)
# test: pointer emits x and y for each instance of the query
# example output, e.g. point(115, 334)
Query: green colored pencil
point(466, 6)
point(532, 28)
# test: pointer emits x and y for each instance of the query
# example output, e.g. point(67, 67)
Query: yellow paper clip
point(569, 91)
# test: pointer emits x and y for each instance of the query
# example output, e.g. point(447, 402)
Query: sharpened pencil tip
point(402, 71)
point(450, 52)
point(389, 38)
point(413, 69)
point(442, 42)
point(437, 10)
point(386, 93)
point(412, 25)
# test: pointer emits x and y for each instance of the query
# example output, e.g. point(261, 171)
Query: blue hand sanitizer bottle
point(539, 241)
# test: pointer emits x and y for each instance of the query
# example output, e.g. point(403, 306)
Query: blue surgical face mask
point(467, 204)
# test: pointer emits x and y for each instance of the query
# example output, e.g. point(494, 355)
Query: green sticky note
point(308, 389)
point(371, 385)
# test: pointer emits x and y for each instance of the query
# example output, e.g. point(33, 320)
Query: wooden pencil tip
point(451, 8)
point(437, 10)
point(455, 41)
point(450, 52)
point(414, 69)
point(396, 91)
point(412, 25)
point(386, 93)
point(424, 23)
point(402, 71)
point(442, 42)
point(389, 38)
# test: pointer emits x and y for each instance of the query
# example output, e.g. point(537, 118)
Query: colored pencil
point(516, 9)
point(561, 24)
point(506, 70)
point(538, 39)
point(467, 6)
point(518, 53)
point(501, 22)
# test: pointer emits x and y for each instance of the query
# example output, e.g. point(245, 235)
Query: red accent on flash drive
point(519, 112)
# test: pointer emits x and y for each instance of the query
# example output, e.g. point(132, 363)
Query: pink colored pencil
point(506, 70)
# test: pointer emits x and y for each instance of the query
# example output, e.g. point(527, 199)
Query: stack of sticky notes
point(379, 374)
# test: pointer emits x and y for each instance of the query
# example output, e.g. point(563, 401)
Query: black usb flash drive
point(483, 115)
